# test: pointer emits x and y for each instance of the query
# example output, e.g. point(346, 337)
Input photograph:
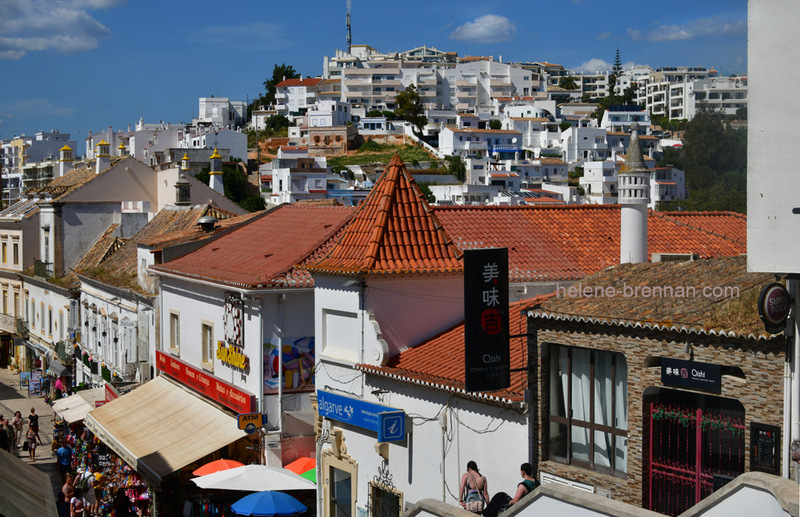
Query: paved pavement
point(13, 399)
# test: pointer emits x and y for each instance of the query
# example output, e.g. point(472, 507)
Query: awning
point(75, 407)
point(24, 490)
point(161, 427)
point(57, 367)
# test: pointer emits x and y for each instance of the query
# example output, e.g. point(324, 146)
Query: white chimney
point(633, 190)
point(215, 173)
point(102, 157)
point(64, 160)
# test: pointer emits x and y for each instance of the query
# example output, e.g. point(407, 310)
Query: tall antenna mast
point(349, 6)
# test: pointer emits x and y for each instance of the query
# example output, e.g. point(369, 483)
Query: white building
point(294, 96)
point(297, 177)
point(221, 112)
point(202, 138)
point(20, 152)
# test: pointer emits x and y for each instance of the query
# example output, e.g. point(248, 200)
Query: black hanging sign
point(486, 350)
point(765, 448)
point(690, 374)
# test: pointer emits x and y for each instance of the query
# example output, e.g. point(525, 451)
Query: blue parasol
point(268, 503)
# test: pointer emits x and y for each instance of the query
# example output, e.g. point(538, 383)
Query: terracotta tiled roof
point(713, 296)
point(72, 180)
point(118, 263)
point(393, 231)
point(298, 82)
point(263, 253)
point(531, 119)
point(728, 225)
point(439, 361)
point(551, 161)
point(549, 243)
point(543, 200)
point(192, 233)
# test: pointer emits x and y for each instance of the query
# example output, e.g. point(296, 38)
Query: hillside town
point(412, 264)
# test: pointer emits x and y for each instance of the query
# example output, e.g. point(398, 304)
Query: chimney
point(207, 223)
point(183, 192)
point(64, 160)
point(215, 174)
point(102, 157)
point(121, 150)
point(633, 190)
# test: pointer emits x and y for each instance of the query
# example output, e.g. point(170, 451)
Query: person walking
point(64, 455)
point(30, 435)
point(33, 421)
point(77, 505)
point(17, 423)
point(473, 491)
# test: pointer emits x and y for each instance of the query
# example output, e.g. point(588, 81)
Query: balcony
point(504, 148)
point(474, 146)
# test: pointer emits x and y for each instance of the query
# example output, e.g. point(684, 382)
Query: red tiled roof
point(393, 231)
point(547, 243)
point(298, 82)
point(263, 253)
point(728, 225)
point(439, 361)
point(543, 200)
point(551, 161)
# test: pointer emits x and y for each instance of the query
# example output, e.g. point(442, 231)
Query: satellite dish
point(514, 140)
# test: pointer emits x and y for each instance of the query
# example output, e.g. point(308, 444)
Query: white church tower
point(634, 195)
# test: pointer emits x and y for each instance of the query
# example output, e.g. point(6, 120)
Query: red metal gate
point(688, 447)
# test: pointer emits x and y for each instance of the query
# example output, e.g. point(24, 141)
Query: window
point(208, 346)
point(341, 493)
point(15, 253)
point(50, 321)
point(5, 301)
point(5, 251)
point(385, 501)
point(588, 408)
point(174, 332)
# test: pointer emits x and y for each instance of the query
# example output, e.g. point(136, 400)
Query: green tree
point(568, 83)
point(276, 122)
point(616, 71)
point(253, 203)
point(409, 108)
point(495, 124)
point(456, 166)
point(234, 182)
point(564, 125)
point(279, 73)
point(426, 193)
point(714, 157)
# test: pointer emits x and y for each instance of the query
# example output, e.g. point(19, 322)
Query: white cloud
point(598, 65)
point(695, 29)
point(40, 105)
point(592, 66)
point(61, 25)
point(604, 35)
point(635, 34)
point(489, 28)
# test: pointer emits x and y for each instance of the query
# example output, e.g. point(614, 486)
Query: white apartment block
point(327, 113)
point(294, 96)
point(469, 142)
point(592, 85)
point(584, 143)
point(20, 152)
point(600, 181)
point(620, 118)
point(221, 112)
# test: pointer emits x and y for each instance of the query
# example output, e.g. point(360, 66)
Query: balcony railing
point(8, 323)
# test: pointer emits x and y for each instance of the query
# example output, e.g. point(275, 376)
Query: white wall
point(770, 204)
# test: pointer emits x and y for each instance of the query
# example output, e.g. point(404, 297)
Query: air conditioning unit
point(545, 477)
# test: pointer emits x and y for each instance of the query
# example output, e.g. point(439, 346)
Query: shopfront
point(651, 412)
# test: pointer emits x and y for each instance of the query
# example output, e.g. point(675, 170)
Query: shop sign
point(690, 374)
point(765, 448)
point(210, 386)
point(388, 422)
point(249, 422)
point(232, 356)
point(773, 307)
point(487, 360)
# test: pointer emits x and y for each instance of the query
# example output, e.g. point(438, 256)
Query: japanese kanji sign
point(486, 353)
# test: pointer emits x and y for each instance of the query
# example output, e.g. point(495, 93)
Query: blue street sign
point(365, 415)
point(391, 426)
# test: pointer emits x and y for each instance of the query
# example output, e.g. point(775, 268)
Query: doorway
point(696, 442)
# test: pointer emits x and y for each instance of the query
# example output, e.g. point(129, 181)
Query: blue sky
point(82, 65)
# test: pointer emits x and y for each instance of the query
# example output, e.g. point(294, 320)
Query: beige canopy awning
point(75, 407)
point(161, 427)
point(25, 491)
